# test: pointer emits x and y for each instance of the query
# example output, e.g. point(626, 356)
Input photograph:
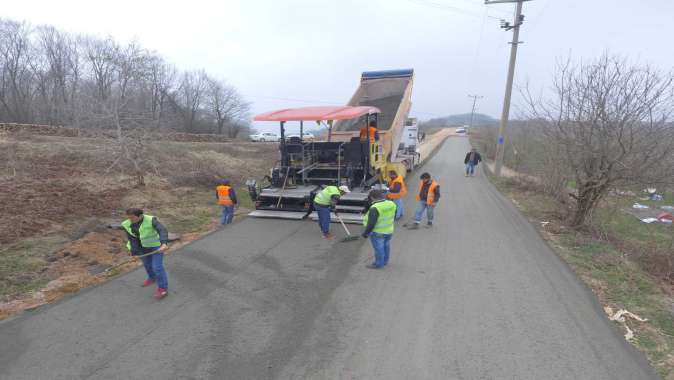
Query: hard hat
point(344, 189)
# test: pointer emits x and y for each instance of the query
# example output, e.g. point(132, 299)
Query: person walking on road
point(471, 161)
point(428, 196)
point(379, 222)
point(326, 202)
point(227, 200)
point(148, 239)
point(396, 192)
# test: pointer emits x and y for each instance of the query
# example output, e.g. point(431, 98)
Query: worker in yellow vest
point(428, 197)
point(149, 239)
point(227, 200)
point(324, 203)
point(379, 225)
point(397, 190)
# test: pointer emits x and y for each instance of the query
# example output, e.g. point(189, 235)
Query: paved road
point(479, 296)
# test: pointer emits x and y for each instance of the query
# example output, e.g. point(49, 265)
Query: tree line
point(52, 77)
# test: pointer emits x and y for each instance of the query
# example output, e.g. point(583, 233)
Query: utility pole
point(515, 27)
point(472, 113)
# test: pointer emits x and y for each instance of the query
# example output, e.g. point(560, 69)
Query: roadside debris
point(649, 220)
point(639, 206)
point(620, 317)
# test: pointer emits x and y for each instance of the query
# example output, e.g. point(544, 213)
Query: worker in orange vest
point(396, 192)
point(370, 130)
point(428, 196)
point(227, 200)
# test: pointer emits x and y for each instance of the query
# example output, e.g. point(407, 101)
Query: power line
point(451, 8)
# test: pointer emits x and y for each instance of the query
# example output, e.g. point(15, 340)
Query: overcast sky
point(290, 53)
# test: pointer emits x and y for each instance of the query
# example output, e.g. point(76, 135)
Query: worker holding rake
point(148, 239)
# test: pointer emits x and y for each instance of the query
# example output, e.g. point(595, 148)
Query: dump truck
point(344, 158)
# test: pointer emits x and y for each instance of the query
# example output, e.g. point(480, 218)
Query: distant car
point(265, 136)
point(461, 130)
point(305, 136)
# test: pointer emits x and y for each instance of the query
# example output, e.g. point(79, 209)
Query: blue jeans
point(154, 266)
point(323, 218)
point(399, 208)
point(470, 168)
point(227, 214)
point(382, 248)
point(423, 206)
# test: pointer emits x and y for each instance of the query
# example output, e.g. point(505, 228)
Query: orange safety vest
point(403, 188)
point(430, 198)
point(223, 195)
point(365, 130)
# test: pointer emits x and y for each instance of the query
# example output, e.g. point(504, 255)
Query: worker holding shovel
point(379, 225)
point(148, 239)
point(325, 202)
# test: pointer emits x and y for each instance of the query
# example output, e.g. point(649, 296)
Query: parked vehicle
point(461, 131)
point(265, 136)
point(305, 136)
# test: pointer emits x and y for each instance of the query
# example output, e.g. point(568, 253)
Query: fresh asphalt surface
point(478, 296)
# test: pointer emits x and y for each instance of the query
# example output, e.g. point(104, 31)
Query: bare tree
point(16, 79)
point(608, 124)
point(227, 107)
point(190, 97)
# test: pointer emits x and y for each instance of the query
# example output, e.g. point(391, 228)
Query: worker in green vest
point(379, 225)
point(148, 239)
point(325, 202)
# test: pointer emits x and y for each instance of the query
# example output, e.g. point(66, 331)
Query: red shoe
point(160, 293)
point(148, 282)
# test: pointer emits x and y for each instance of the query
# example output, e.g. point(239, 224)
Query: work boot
point(429, 225)
point(148, 282)
point(372, 266)
point(413, 226)
point(160, 293)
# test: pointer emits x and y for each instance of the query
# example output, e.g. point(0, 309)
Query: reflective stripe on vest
point(324, 196)
point(403, 188)
point(223, 195)
point(387, 214)
point(430, 197)
point(149, 237)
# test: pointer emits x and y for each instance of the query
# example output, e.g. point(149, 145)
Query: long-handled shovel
point(348, 237)
point(133, 258)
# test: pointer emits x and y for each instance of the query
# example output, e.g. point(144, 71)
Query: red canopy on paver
point(317, 113)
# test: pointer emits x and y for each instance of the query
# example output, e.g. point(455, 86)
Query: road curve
point(479, 296)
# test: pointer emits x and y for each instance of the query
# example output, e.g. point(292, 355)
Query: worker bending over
point(325, 202)
point(428, 196)
point(370, 131)
point(396, 192)
point(149, 239)
point(379, 226)
point(227, 200)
